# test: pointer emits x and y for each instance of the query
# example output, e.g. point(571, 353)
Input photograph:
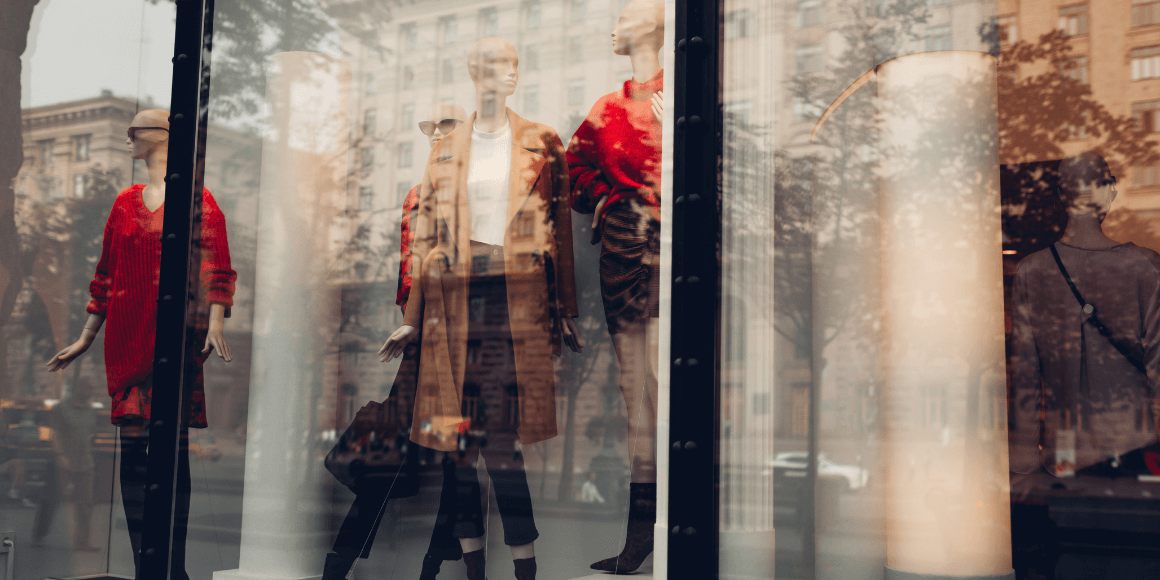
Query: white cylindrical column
point(945, 441)
point(295, 310)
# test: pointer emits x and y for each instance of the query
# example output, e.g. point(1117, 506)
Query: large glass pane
point(449, 156)
point(909, 384)
point(75, 76)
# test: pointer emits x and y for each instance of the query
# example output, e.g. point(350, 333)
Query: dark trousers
point(361, 524)
point(505, 467)
point(134, 465)
point(489, 326)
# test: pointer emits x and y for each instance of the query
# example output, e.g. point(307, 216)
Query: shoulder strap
point(1090, 311)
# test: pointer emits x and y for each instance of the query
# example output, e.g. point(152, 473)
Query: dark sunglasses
point(1109, 180)
point(133, 131)
point(446, 126)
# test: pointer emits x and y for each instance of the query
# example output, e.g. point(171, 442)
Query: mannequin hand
point(216, 340)
point(596, 214)
point(396, 343)
point(71, 352)
point(571, 335)
point(658, 106)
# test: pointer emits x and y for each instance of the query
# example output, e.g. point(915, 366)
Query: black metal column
point(696, 297)
point(178, 290)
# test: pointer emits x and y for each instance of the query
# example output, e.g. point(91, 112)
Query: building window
point(46, 152)
point(525, 225)
point(450, 27)
point(805, 111)
point(809, 59)
point(83, 147)
point(405, 150)
point(488, 22)
point(1147, 176)
point(1145, 63)
point(575, 92)
point(1076, 69)
point(448, 75)
point(410, 34)
point(1073, 20)
point(1145, 12)
point(408, 77)
point(933, 3)
point(407, 116)
point(532, 99)
point(737, 24)
point(366, 159)
point(369, 86)
point(579, 9)
point(575, 50)
point(479, 264)
point(1008, 29)
point(369, 121)
point(366, 198)
point(530, 59)
point(1147, 116)
point(810, 13)
point(80, 184)
point(401, 191)
point(532, 15)
point(938, 38)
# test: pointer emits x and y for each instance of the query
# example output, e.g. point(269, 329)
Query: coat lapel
point(527, 162)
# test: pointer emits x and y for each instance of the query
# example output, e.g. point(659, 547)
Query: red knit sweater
point(410, 207)
point(124, 290)
point(617, 150)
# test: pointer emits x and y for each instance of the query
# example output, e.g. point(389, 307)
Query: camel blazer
point(538, 268)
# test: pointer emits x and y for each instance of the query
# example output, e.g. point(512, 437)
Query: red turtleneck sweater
point(124, 290)
point(617, 150)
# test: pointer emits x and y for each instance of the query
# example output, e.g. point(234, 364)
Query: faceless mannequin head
point(440, 112)
point(641, 26)
point(147, 141)
point(1086, 185)
point(492, 65)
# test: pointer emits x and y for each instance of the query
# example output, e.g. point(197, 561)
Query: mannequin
point(361, 524)
point(489, 175)
point(1092, 390)
point(124, 291)
point(615, 162)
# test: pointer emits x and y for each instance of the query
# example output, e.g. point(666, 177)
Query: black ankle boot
point(638, 543)
point(525, 568)
point(337, 566)
point(476, 563)
point(431, 566)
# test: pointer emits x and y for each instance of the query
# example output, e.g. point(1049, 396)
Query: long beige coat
point(538, 265)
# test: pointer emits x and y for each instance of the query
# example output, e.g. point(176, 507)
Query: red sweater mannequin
point(124, 291)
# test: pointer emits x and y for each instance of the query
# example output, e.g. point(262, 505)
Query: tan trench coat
point(538, 267)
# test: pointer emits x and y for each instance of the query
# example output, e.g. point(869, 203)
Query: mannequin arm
point(76, 349)
point(215, 339)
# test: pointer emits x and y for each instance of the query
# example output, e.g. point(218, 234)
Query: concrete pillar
point(945, 440)
point(304, 160)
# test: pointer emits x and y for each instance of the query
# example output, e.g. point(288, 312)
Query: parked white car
point(793, 464)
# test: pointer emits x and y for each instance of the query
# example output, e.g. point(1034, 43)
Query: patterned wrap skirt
point(630, 266)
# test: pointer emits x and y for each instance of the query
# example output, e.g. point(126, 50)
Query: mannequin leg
point(134, 462)
point(636, 351)
point(134, 468)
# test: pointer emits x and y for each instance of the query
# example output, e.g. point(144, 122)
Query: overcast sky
point(78, 47)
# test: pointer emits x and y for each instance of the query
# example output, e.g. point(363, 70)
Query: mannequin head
point(440, 112)
point(641, 27)
point(1086, 185)
point(492, 65)
point(144, 143)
